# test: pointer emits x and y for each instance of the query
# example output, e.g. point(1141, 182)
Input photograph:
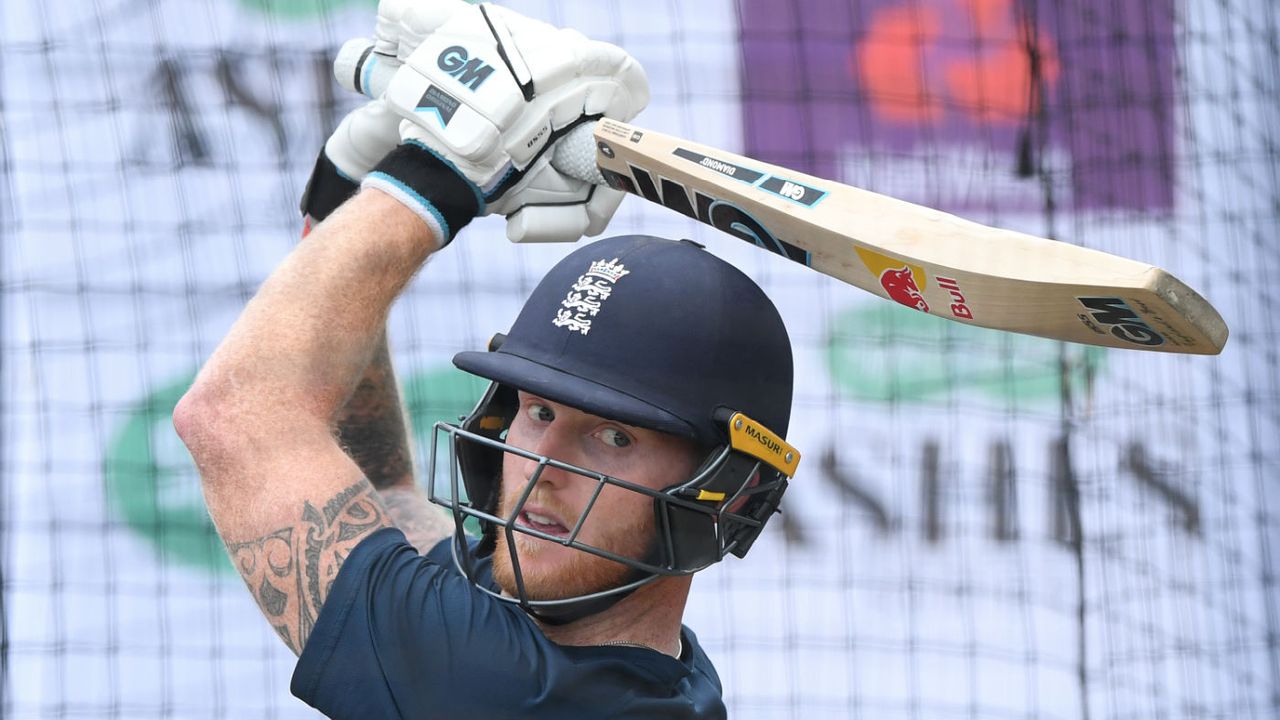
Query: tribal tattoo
point(291, 570)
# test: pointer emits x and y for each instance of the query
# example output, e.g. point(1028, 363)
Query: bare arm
point(288, 502)
point(290, 569)
point(373, 430)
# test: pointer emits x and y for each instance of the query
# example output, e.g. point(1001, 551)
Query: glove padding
point(485, 92)
point(553, 207)
point(361, 140)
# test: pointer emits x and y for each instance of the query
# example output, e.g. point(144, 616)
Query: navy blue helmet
point(657, 334)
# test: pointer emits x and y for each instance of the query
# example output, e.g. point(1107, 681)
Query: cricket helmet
point(652, 333)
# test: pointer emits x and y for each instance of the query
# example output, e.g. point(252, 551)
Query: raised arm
point(261, 419)
point(372, 426)
point(374, 431)
point(288, 502)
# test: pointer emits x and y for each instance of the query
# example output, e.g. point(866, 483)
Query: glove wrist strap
point(326, 190)
point(430, 186)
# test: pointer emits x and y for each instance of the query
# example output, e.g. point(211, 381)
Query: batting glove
point(484, 92)
point(362, 139)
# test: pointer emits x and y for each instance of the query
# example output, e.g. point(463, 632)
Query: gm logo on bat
point(471, 72)
point(1123, 322)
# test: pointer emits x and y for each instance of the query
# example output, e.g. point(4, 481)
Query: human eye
point(540, 413)
point(614, 437)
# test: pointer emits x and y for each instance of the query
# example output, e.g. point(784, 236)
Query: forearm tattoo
point(290, 571)
point(373, 431)
point(372, 426)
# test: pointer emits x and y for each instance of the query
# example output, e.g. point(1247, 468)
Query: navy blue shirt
point(407, 636)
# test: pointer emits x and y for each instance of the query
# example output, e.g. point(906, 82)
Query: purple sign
point(822, 78)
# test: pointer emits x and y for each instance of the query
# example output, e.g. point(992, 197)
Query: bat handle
point(575, 154)
point(359, 68)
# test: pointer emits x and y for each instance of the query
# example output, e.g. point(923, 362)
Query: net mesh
point(984, 525)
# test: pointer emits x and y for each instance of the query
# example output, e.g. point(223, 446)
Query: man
point(632, 434)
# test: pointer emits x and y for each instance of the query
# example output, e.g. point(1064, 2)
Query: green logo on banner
point(442, 395)
point(304, 9)
point(883, 352)
point(153, 485)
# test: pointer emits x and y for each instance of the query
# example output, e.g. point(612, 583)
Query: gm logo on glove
point(471, 72)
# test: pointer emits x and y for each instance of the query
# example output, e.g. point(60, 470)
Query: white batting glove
point(549, 206)
point(361, 140)
point(484, 92)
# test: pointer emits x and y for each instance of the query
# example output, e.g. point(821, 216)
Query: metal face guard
point(690, 513)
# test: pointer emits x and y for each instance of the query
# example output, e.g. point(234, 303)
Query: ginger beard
point(552, 571)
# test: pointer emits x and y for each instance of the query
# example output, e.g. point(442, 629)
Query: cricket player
point(633, 432)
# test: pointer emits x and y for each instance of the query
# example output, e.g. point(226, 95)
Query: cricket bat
point(917, 256)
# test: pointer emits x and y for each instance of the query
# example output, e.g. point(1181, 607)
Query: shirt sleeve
point(400, 633)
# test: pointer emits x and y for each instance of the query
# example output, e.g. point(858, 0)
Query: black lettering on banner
point(1003, 492)
point(1159, 480)
point(850, 489)
point(327, 104)
point(232, 84)
point(1064, 498)
point(189, 145)
point(793, 529)
point(931, 491)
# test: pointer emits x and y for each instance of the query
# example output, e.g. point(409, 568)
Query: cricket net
point(984, 525)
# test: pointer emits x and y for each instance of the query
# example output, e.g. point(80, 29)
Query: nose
point(554, 442)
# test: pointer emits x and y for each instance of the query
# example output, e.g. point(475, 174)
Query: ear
point(742, 501)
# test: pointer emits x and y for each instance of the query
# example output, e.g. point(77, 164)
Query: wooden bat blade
point(917, 256)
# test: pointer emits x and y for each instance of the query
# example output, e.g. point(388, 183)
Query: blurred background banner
point(963, 77)
point(984, 525)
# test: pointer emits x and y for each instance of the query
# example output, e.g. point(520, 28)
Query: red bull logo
point(903, 282)
point(900, 283)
